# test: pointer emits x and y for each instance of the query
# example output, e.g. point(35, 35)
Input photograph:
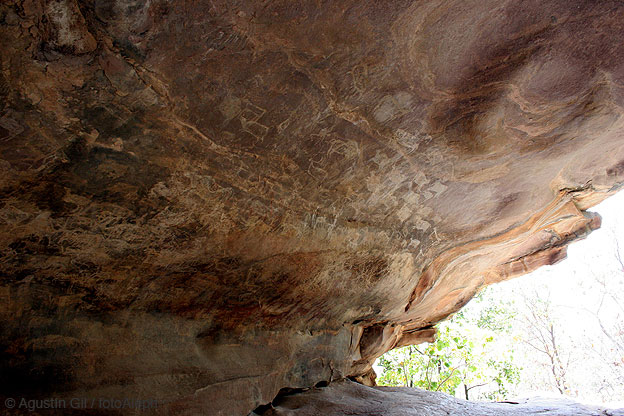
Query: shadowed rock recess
point(204, 203)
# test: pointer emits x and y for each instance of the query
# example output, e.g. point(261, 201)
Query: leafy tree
point(464, 356)
point(568, 340)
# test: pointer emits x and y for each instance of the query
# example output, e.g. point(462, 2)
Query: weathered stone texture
point(206, 202)
point(348, 398)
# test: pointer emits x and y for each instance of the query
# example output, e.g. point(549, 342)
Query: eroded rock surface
point(348, 398)
point(206, 202)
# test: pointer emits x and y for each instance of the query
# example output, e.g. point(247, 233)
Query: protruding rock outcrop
point(206, 202)
point(347, 398)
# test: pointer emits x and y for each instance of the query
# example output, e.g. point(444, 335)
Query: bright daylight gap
point(558, 331)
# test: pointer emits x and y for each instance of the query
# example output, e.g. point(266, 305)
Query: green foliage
point(496, 318)
point(464, 356)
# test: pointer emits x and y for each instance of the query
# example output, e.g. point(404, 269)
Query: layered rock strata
point(206, 202)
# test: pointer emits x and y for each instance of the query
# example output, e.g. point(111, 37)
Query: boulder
point(348, 398)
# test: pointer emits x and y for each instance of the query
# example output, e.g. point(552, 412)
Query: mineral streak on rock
point(207, 202)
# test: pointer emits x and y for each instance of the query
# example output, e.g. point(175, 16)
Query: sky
point(568, 281)
point(593, 255)
point(572, 288)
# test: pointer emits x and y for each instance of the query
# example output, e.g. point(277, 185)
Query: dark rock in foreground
point(348, 398)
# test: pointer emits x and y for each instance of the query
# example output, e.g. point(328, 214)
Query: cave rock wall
point(207, 202)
